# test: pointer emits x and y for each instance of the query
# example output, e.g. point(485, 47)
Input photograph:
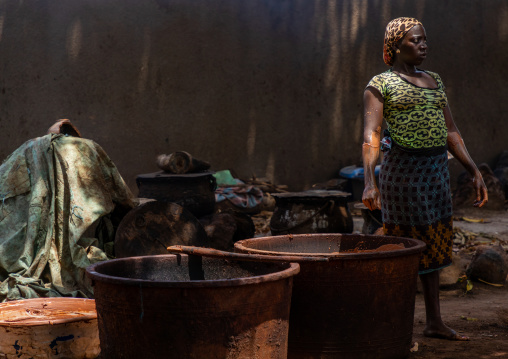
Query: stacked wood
point(181, 162)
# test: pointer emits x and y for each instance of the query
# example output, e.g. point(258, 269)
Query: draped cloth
point(53, 190)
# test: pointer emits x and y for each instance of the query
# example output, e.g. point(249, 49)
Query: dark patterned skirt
point(416, 203)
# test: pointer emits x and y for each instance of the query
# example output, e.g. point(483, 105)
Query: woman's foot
point(444, 333)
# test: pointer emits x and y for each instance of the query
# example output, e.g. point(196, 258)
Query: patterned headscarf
point(395, 30)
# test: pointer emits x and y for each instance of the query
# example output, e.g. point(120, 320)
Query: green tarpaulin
point(53, 191)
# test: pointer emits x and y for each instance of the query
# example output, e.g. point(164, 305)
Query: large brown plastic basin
point(356, 305)
point(148, 307)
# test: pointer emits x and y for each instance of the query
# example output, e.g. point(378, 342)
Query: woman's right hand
point(371, 197)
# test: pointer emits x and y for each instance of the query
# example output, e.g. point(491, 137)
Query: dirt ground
point(477, 313)
point(481, 314)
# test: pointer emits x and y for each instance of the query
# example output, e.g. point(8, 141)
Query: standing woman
point(414, 194)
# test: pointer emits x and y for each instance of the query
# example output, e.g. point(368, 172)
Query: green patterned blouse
point(414, 114)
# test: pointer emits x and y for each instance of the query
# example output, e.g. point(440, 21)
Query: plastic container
point(359, 304)
point(49, 328)
point(149, 307)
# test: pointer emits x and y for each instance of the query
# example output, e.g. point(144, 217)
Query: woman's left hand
point(482, 196)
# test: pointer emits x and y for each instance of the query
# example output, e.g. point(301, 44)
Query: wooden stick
point(209, 252)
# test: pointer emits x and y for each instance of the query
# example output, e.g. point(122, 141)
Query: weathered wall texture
point(264, 87)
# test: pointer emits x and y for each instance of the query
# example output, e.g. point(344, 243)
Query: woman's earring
point(397, 51)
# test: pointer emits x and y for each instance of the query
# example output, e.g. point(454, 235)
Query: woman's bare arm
point(373, 119)
point(458, 149)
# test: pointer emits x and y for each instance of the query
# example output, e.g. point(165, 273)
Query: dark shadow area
point(271, 89)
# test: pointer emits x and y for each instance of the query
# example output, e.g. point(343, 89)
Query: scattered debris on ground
point(463, 238)
point(262, 223)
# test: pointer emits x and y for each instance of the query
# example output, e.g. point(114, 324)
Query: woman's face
point(413, 46)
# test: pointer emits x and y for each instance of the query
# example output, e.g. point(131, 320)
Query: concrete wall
point(265, 87)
